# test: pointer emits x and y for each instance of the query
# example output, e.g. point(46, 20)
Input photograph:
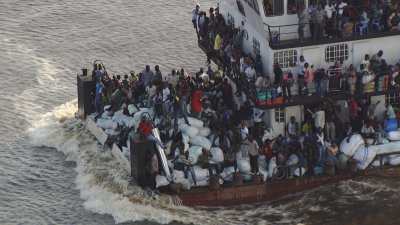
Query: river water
point(53, 172)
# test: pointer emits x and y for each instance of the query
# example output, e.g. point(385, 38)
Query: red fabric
point(353, 108)
point(145, 127)
point(196, 101)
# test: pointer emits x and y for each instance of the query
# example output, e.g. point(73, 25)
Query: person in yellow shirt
point(218, 42)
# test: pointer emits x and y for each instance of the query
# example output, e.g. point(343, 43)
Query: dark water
point(43, 44)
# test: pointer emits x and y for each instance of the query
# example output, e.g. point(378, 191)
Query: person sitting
point(204, 162)
point(182, 162)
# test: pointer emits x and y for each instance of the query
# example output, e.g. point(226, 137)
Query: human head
point(292, 119)
point(301, 58)
point(147, 68)
point(157, 68)
point(380, 53)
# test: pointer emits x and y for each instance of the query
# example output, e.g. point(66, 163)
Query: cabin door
point(295, 111)
point(313, 56)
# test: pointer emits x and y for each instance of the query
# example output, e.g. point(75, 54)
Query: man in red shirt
point(196, 104)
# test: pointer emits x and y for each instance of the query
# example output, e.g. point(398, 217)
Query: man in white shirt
point(341, 5)
point(329, 9)
point(172, 78)
point(319, 119)
point(250, 73)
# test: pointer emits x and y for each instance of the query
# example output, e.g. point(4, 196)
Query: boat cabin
point(272, 30)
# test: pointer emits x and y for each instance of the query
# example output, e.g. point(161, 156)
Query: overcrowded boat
point(302, 94)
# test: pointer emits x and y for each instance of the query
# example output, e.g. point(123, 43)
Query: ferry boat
point(271, 30)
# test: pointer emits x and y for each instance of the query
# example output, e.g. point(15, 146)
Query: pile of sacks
point(112, 122)
point(354, 147)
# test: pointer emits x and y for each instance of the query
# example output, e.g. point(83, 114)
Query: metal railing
point(284, 35)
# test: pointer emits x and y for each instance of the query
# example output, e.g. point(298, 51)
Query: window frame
point(393, 98)
point(286, 58)
point(337, 53)
point(273, 8)
point(279, 115)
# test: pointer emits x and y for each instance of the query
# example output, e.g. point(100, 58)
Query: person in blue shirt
point(98, 101)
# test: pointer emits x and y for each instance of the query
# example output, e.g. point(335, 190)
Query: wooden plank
point(100, 135)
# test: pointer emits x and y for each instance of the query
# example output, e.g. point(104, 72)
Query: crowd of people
point(346, 18)
point(228, 99)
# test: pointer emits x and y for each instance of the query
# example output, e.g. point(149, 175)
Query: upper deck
point(283, 22)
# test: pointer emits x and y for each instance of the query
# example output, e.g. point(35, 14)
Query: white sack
point(204, 131)
point(132, 109)
point(161, 181)
point(194, 153)
point(195, 122)
point(394, 135)
point(111, 132)
point(297, 172)
point(217, 155)
point(107, 124)
point(189, 131)
point(201, 141)
point(350, 147)
point(292, 160)
point(364, 156)
point(228, 173)
point(394, 161)
point(244, 166)
point(201, 174)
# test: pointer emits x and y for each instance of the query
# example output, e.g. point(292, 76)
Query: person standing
point(318, 21)
point(300, 75)
point(303, 17)
point(98, 101)
point(251, 147)
point(147, 77)
point(195, 14)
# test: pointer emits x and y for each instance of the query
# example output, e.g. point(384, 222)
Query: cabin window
point(273, 7)
point(256, 47)
point(280, 115)
point(240, 7)
point(337, 53)
point(254, 5)
point(294, 5)
point(393, 99)
point(286, 58)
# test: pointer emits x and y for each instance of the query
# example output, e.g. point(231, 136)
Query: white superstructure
point(275, 37)
point(271, 30)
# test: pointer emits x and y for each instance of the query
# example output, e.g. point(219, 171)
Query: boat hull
point(254, 193)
